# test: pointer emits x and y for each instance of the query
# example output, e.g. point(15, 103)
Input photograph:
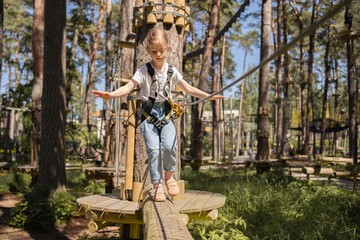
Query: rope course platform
point(5, 166)
point(162, 220)
point(103, 173)
point(33, 170)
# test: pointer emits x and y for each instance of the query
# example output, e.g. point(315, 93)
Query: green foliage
point(224, 229)
point(95, 187)
point(39, 211)
point(86, 236)
point(64, 206)
point(275, 206)
point(76, 182)
point(15, 182)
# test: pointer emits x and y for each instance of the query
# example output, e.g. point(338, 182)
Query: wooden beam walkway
point(162, 221)
point(158, 220)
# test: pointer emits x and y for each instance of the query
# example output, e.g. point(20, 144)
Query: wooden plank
point(90, 200)
point(217, 200)
point(98, 169)
point(346, 173)
point(321, 171)
point(295, 169)
point(346, 160)
point(118, 207)
point(101, 206)
point(343, 173)
point(197, 203)
point(188, 196)
point(132, 208)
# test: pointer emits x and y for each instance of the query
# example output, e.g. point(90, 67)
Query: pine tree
point(53, 102)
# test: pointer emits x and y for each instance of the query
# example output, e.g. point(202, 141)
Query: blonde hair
point(157, 36)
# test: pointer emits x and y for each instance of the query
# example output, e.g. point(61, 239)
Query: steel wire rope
point(308, 30)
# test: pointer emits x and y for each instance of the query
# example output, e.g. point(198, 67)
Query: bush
point(95, 187)
point(39, 211)
point(15, 182)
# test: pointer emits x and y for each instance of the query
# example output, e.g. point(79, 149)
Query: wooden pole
point(130, 146)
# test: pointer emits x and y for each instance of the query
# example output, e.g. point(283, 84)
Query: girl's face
point(158, 52)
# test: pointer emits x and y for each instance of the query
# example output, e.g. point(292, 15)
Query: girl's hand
point(104, 95)
point(217, 97)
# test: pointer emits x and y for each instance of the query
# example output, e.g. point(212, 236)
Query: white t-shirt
point(143, 78)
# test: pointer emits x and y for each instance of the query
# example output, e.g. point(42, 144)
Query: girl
point(156, 79)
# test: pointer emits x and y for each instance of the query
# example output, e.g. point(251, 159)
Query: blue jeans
point(165, 139)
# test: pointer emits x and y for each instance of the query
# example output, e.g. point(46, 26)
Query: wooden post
point(107, 145)
point(122, 191)
point(180, 196)
point(135, 231)
point(137, 191)
point(130, 146)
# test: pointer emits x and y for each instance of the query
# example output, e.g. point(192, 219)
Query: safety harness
point(148, 104)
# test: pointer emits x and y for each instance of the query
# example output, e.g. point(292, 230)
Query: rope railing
point(307, 31)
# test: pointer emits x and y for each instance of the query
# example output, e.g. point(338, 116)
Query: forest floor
point(74, 229)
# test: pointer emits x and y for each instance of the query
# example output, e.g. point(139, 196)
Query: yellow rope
point(177, 109)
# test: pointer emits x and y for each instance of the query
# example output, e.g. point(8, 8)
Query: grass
point(275, 206)
point(259, 207)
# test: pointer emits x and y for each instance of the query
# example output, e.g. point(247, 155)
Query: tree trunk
point(216, 105)
point(302, 95)
point(1, 58)
point(196, 143)
point(325, 93)
point(53, 101)
point(10, 75)
point(336, 101)
point(175, 59)
point(302, 77)
point(87, 119)
point(263, 151)
point(108, 75)
point(16, 61)
point(351, 85)
point(126, 62)
point(278, 76)
point(215, 110)
point(239, 136)
point(309, 85)
point(38, 52)
point(1, 37)
point(286, 82)
point(126, 13)
point(73, 51)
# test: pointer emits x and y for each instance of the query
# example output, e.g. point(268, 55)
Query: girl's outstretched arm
point(195, 92)
point(121, 91)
